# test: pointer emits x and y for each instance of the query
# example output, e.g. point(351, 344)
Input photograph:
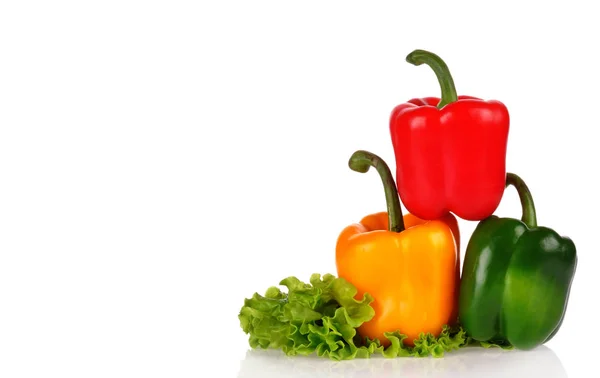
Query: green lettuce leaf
point(494, 344)
point(322, 316)
point(451, 338)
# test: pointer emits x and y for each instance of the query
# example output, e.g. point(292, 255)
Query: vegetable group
point(399, 290)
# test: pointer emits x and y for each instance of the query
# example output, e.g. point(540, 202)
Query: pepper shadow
point(466, 362)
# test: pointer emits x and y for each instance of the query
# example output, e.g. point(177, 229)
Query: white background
point(161, 161)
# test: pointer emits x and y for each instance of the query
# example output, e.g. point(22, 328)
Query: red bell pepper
point(450, 152)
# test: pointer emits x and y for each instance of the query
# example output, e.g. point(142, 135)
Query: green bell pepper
point(516, 278)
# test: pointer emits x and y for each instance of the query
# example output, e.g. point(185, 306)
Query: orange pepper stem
point(529, 217)
point(361, 161)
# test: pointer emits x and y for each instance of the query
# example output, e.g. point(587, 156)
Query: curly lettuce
point(322, 317)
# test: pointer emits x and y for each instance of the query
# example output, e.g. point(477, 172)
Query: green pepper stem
point(528, 208)
point(441, 70)
point(361, 161)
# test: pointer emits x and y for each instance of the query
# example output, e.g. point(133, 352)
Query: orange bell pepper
point(411, 267)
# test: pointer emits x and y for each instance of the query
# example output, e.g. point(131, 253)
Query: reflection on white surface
point(467, 362)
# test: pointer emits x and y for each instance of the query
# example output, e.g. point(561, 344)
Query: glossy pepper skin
point(408, 265)
point(516, 278)
point(450, 152)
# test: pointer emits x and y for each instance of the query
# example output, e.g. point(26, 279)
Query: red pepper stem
point(361, 161)
point(441, 70)
point(529, 216)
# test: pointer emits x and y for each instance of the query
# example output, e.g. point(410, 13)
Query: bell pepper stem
point(361, 161)
point(528, 208)
point(440, 69)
